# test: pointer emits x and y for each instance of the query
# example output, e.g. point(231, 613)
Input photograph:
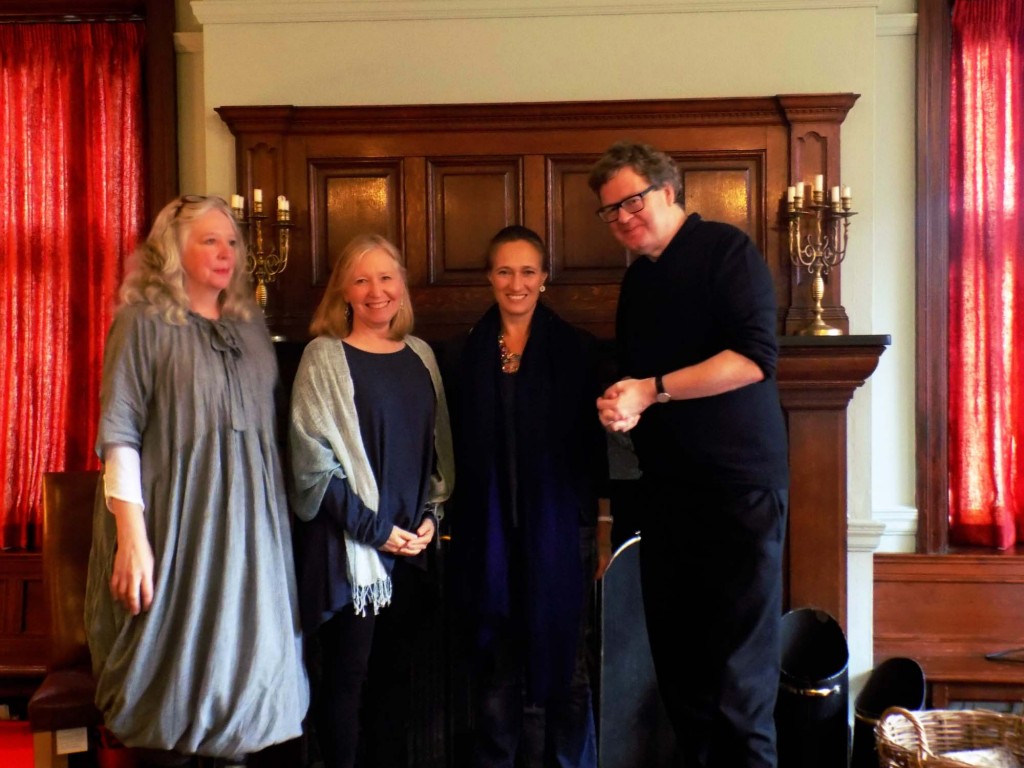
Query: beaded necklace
point(509, 360)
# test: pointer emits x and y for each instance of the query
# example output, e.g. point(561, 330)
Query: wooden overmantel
point(817, 379)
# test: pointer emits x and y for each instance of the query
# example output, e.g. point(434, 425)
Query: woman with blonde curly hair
point(191, 604)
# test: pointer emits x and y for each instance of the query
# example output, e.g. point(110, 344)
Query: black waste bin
point(896, 682)
point(812, 711)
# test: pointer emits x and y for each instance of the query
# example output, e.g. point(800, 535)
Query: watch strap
point(659, 386)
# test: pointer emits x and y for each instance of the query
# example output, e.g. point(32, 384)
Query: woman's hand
point(131, 582)
point(424, 535)
point(398, 539)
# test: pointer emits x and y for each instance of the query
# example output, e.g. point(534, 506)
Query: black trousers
point(363, 698)
point(711, 571)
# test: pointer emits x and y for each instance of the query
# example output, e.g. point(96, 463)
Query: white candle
point(847, 193)
point(819, 183)
point(790, 194)
point(257, 195)
point(237, 202)
point(834, 194)
point(282, 203)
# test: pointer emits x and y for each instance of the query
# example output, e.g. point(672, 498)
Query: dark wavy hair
point(653, 164)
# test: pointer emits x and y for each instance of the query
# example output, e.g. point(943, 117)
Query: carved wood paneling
point(582, 248)
point(348, 199)
point(727, 187)
point(468, 201)
point(474, 168)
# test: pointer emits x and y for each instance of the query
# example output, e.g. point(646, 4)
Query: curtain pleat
point(70, 210)
point(986, 298)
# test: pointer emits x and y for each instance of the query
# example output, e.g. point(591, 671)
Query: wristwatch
point(659, 385)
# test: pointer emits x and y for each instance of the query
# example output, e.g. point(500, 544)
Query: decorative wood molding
point(532, 116)
point(932, 355)
point(305, 11)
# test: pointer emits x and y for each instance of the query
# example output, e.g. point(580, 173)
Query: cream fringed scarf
point(325, 442)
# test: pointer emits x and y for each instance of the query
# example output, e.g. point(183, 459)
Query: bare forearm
point(623, 402)
point(131, 582)
point(718, 374)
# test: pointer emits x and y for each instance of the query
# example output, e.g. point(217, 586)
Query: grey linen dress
point(215, 666)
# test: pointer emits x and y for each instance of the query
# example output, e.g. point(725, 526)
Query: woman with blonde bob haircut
point(371, 458)
point(333, 317)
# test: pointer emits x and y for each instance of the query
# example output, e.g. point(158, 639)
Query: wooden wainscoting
point(948, 611)
point(24, 623)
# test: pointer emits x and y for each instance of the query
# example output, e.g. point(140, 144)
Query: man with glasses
point(696, 335)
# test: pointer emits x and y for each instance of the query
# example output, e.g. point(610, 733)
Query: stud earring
point(543, 288)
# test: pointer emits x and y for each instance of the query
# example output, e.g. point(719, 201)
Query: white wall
point(893, 456)
point(333, 52)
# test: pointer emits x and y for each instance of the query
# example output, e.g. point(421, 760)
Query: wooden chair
point(65, 699)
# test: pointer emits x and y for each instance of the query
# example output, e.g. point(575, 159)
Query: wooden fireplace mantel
point(817, 379)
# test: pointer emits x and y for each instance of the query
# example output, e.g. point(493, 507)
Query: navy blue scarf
point(527, 580)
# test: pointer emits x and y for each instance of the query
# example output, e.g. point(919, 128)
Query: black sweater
point(709, 291)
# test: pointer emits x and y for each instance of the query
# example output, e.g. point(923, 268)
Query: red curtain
point(70, 209)
point(986, 280)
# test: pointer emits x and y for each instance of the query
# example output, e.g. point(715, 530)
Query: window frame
point(934, 36)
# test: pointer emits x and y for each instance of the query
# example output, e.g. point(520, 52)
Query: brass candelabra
point(264, 261)
point(818, 235)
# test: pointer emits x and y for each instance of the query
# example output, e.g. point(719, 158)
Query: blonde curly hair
point(156, 276)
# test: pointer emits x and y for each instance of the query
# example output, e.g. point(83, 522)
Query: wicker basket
point(919, 739)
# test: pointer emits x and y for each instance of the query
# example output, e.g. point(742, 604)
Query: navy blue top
point(709, 291)
point(395, 403)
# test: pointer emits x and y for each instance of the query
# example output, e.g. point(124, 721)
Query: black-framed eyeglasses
point(631, 204)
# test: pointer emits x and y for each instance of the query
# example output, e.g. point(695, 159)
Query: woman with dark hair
point(191, 608)
point(371, 464)
point(531, 461)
